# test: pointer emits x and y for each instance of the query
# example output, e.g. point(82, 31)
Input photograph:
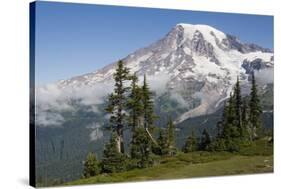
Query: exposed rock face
point(256, 65)
point(233, 43)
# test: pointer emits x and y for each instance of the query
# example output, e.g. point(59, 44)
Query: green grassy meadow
point(257, 158)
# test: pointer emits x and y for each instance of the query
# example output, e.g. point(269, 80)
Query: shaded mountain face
point(192, 63)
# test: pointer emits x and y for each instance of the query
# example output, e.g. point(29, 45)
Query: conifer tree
point(244, 115)
point(141, 119)
point(223, 132)
point(148, 106)
point(190, 144)
point(240, 122)
point(117, 102)
point(171, 137)
point(232, 137)
point(113, 161)
point(238, 107)
point(141, 148)
point(255, 110)
point(221, 124)
point(245, 119)
point(163, 146)
point(236, 127)
point(91, 166)
point(205, 140)
point(135, 106)
point(229, 128)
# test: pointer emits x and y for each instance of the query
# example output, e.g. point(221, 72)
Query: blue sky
point(73, 39)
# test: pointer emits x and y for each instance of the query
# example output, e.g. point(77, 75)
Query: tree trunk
point(122, 147)
point(120, 142)
point(151, 137)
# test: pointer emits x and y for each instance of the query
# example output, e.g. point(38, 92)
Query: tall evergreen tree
point(134, 105)
point(244, 115)
point(163, 146)
point(91, 166)
point(117, 103)
point(228, 137)
point(221, 124)
point(205, 140)
point(238, 107)
point(255, 110)
point(171, 137)
point(190, 144)
point(113, 161)
point(148, 106)
point(245, 119)
point(229, 127)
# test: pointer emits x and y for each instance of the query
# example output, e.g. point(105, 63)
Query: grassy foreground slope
point(254, 159)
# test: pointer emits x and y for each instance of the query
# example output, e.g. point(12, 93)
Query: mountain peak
point(207, 31)
point(187, 25)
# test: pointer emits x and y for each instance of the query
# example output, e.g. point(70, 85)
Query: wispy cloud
point(179, 99)
point(49, 118)
point(265, 76)
point(157, 83)
point(51, 100)
point(96, 131)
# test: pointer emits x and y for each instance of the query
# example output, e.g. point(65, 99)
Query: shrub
point(91, 166)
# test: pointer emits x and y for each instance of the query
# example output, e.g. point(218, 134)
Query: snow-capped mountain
point(191, 63)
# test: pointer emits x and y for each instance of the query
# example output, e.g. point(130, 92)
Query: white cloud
point(158, 83)
point(48, 118)
point(51, 100)
point(264, 76)
point(96, 132)
point(179, 99)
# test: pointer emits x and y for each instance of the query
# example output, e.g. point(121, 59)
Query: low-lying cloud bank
point(51, 99)
point(158, 83)
point(265, 76)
